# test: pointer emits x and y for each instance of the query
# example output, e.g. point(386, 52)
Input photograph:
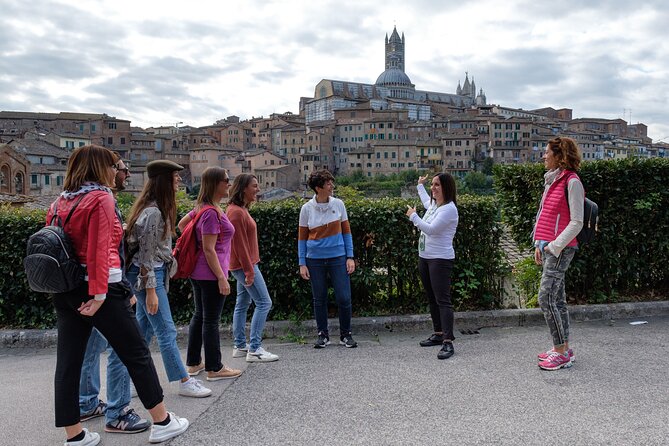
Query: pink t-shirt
point(212, 223)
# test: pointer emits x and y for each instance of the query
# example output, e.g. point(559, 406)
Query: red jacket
point(555, 215)
point(96, 234)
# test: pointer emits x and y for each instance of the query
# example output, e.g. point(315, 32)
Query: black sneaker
point(322, 341)
point(347, 341)
point(433, 340)
point(446, 351)
point(98, 411)
point(128, 423)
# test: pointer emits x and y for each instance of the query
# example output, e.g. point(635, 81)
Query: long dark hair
point(238, 187)
point(448, 189)
point(161, 190)
point(211, 177)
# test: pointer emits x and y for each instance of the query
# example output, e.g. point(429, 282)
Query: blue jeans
point(335, 268)
point(118, 380)
point(257, 293)
point(160, 324)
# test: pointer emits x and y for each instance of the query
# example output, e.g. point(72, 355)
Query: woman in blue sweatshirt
point(325, 247)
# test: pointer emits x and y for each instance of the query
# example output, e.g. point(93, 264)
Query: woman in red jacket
point(102, 301)
point(559, 220)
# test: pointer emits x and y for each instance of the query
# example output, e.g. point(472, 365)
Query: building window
point(112, 126)
point(69, 144)
point(33, 180)
point(110, 140)
point(122, 140)
point(59, 180)
point(47, 180)
point(93, 127)
point(81, 143)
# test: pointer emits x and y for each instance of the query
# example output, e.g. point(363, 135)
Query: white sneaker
point(194, 388)
point(261, 355)
point(90, 439)
point(176, 426)
point(240, 352)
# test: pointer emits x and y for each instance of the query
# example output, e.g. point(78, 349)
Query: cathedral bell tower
point(395, 50)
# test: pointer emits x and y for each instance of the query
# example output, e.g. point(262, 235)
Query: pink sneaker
point(543, 356)
point(555, 361)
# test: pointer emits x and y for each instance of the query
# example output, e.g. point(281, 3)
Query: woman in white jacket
point(436, 256)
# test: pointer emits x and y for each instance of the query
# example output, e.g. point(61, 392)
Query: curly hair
point(566, 152)
point(318, 178)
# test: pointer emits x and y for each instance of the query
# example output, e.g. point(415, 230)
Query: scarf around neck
point(88, 186)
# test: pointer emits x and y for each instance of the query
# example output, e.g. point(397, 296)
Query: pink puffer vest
point(555, 216)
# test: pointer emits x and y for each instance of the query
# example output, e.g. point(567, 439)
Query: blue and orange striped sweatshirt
point(324, 231)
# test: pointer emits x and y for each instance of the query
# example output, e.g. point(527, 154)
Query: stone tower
point(395, 50)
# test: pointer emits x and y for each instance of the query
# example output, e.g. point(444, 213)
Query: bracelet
point(100, 297)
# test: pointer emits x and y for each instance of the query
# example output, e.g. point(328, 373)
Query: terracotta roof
point(41, 201)
point(509, 247)
point(38, 147)
point(15, 198)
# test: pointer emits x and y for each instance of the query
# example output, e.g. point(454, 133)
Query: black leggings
point(116, 321)
point(436, 277)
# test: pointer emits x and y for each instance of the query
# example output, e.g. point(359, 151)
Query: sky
point(167, 62)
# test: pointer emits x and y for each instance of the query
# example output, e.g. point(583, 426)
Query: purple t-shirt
point(212, 223)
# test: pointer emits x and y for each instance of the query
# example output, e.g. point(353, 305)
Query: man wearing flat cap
point(159, 167)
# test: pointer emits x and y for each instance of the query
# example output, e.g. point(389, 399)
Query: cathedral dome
point(393, 76)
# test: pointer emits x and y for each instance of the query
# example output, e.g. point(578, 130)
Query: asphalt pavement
point(390, 391)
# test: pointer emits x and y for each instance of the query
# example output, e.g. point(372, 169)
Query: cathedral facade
point(393, 90)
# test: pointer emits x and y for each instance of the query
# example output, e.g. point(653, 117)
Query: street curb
point(470, 320)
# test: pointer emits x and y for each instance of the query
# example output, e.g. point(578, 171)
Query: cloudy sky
point(163, 62)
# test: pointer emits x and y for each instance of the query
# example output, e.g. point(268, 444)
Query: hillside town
point(379, 128)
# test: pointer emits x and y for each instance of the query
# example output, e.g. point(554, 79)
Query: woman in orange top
point(244, 261)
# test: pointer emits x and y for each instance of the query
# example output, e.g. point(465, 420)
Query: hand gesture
point(151, 301)
point(537, 256)
point(422, 180)
point(90, 307)
point(304, 272)
point(350, 266)
point(410, 211)
point(223, 286)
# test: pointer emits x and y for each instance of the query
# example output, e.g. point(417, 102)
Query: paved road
point(390, 391)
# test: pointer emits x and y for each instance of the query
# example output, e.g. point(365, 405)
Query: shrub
point(386, 280)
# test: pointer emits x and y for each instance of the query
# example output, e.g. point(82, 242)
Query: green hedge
point(630, 255)
point(386, 280)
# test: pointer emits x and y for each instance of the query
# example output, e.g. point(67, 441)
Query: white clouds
point(158, 62)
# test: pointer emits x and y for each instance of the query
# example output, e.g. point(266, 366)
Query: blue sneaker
point(128, 423)
point(97, 411)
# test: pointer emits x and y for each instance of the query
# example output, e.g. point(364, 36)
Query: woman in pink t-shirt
point(210, 277)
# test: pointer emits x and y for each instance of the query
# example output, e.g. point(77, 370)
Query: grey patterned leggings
point(552, 296)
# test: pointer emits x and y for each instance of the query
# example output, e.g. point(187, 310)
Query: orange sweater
point(244, 254)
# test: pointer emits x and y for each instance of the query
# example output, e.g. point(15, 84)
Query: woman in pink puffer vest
point(558, 222)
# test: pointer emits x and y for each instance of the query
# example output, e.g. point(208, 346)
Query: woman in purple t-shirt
point(210, 277)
